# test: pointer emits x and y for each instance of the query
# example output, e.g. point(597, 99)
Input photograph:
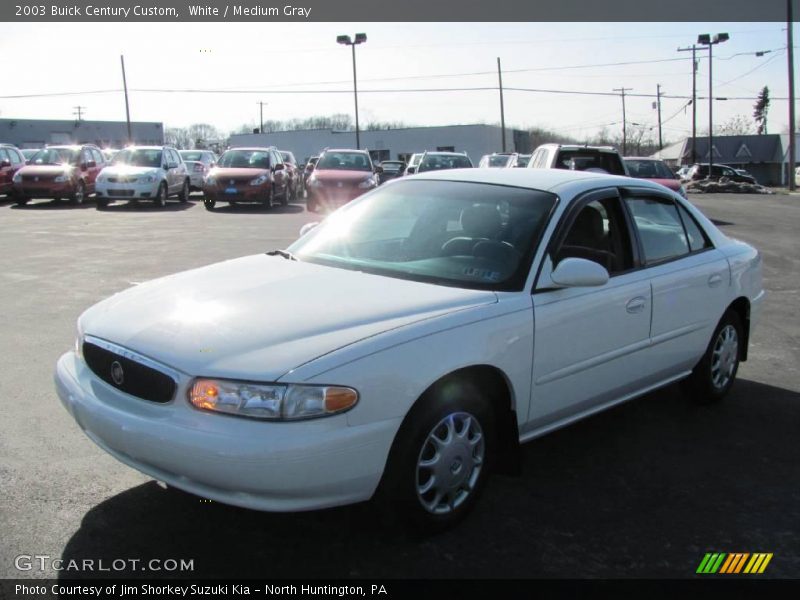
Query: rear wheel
point(161, 195)
point(441, 457)
point(209, 203)
point(713, 376)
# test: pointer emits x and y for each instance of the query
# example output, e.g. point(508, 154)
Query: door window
point(599, 233)
point(697, 238)
point(660, 229)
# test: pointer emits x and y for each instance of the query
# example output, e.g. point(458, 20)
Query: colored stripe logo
point(734, 563)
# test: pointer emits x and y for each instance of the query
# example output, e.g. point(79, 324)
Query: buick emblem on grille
point(117, 374)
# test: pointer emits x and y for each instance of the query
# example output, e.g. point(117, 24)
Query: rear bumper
point(261, 465)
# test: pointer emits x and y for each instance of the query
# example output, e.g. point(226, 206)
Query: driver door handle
point(714, 280)
point(635, 305)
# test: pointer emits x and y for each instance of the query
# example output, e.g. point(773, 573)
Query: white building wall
point(475, 140)
point(35, 133)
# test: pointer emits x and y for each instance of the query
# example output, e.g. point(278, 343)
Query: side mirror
point(379, 169)
point(411, 170)
point(279, 167)
point(5, 163)
point(579, 272)
point(308, 227)
point(309, 167)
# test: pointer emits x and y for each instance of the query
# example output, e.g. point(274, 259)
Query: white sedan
point(408, 344)
point(143, 173)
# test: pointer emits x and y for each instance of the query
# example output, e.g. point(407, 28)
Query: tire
point(209, 203)
point(441, 458)
point(311, 206)
point(269, 201)
point(79, 195)
point(161, 196)
point(184, 194)
point(21, 200)
point(102, 203)
point(713, 377)
point(292, 195)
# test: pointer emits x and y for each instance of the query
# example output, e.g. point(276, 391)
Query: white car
point(198, 164)
point(411, 341)
point(143, 173)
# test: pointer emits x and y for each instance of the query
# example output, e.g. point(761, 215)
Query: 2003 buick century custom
point(411, 341)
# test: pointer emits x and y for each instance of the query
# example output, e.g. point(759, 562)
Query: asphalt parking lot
point(643, 490)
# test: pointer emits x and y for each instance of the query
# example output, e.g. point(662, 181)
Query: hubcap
point(450, 463)
point(724, 357)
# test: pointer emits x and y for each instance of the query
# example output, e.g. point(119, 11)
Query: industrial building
point(35, 133)
point(393, 144)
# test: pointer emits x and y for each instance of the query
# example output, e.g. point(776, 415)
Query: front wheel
point(161, 195)
point(79, 195)
point(713, 377)
point(269, 200)
point(441, 457)
point(22, 200)
point(102, 203)
point(184, 195)
point(209, 203)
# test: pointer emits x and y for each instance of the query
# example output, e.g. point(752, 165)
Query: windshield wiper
point(284, 253)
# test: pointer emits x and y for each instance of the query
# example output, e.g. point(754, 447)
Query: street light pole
point(360, 38)
point(790, 56)
point(706, 40)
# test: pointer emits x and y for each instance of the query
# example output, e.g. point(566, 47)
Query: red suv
point(59, 172)
point(11, 161)
point(339, 177)
point(247, 175)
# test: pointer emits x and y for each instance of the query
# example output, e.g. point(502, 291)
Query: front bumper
point(270, 466)
point(127, 191)
point(237, 193)
point(331, 198)
point(44, 189)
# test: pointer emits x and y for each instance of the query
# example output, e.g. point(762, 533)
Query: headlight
point(270, 401)
point(79, 341)
point(61, 178)
point(368, 183)
point(148, 179)
point(259, 180)
point(17, 177)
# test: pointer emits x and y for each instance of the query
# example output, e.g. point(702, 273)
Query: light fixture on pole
point(360, 38)
point(706, 39)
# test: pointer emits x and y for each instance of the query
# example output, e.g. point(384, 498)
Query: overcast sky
point(50, 57)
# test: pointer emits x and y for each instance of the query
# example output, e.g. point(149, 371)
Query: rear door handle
point(635, 305)
point(714, 280)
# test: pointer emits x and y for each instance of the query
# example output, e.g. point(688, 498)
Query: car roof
point(345, 150)
point(548, 180)
point(642, 158)
point(259, 148)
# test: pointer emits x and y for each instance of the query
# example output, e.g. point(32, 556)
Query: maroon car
point(59, 172)
point(339, 177)
point(247, 175)
point(656, 170)
point(11, 161)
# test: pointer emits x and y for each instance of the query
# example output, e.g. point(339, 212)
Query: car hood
point(259, 317)
point(129, 170)
point(673, 184)
point(341, 175)
point(237, 173)
point(46, 170)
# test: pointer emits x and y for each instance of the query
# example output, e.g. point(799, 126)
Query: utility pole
point(78, 112)
point(694, 48)
point(790, 54)
point(261, 116)
point(658, 105)
point(622, 91)
point(127, 106)
point(502, 107)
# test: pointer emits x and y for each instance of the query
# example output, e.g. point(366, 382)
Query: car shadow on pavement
point(36, 204)
point(642, 490)
point(258, 208)
point(146, 206)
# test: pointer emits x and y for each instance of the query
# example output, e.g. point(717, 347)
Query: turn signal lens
point(204, 394)
point(337, 399)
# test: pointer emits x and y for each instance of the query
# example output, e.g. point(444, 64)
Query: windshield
point(649, 169)
point(56, 156)
point(347, 161)
point(245, 159)
point(471, 235)
point(438, 162)
point(523, 160)
point(138, 157)
point(590, 160)
point(192, 155)
point(391, 166)
point(288, 157)
point(498, 160)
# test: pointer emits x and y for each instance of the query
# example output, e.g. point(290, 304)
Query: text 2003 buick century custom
point(408, 343)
